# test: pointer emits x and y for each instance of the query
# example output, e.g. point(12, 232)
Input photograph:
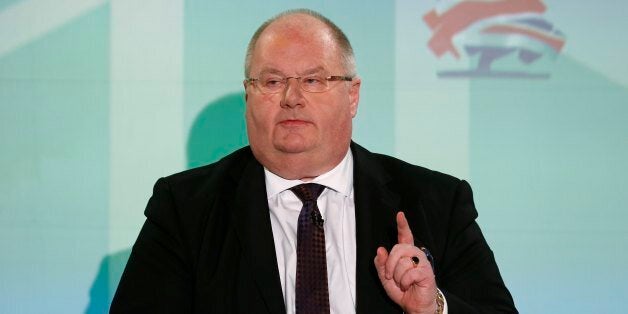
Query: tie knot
point(308, 191)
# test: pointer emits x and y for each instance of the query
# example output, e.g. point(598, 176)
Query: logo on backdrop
point(501, 38)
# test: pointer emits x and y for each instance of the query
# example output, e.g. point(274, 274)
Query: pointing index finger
point(404, 234)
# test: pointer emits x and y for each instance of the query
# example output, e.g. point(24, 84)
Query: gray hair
point(348, 59)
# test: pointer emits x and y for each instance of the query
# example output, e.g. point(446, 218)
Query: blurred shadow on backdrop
point(106, 281)
point(218, 130)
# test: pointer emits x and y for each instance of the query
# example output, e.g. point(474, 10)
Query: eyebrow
point(306, 72)
point(271, 71)
point(313, 70)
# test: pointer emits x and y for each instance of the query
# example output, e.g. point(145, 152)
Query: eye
point(272, 82)
point(313, 81)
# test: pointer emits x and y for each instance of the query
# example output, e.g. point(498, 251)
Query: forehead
point(294, 44)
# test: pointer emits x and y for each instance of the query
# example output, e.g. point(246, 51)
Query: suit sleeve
point(469, 277)
point(157, 275)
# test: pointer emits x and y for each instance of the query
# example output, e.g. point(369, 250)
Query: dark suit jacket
point(207, 244)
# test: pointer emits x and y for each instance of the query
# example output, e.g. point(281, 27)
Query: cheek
point(253, 122)
point(259, 118)
point(338, 120)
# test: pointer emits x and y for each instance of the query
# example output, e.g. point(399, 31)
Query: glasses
point(273, 83)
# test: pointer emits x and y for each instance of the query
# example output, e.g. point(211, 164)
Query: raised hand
point(412, 286)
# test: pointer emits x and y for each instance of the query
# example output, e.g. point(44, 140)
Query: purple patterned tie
point(312, 296)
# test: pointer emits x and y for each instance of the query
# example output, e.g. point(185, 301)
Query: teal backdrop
point(100, 98)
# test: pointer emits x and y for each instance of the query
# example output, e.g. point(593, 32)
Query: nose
point(292, 94)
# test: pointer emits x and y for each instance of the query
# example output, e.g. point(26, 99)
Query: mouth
point(291, 123)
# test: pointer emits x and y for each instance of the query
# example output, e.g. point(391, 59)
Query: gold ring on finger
point(415, 261)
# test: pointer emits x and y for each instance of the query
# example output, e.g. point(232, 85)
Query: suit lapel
point(253, 227)
point(375, 208)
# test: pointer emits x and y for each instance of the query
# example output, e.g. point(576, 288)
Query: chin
point(292, 147)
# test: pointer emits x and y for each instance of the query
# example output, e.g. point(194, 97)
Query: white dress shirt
point(337, 207)
point(338, 210)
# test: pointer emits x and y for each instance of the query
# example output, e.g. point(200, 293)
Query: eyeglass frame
point(331, 78)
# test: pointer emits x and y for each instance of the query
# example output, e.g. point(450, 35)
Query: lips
point(293, 123)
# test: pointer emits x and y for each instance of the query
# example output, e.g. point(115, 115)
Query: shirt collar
point(339, 179)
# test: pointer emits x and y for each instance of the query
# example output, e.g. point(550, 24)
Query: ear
point(354, 95)
point(246, 92)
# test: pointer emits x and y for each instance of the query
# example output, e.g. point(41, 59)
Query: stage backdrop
point(526, 99)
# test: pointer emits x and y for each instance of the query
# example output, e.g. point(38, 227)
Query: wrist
point(440, 302)
point(437, 306)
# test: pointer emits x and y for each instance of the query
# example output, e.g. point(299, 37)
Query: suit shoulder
point(182, 202)
point(210, 176)
point(413, 174)
point(401, 174)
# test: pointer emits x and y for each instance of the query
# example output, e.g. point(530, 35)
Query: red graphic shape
point(556, 43)
point(463, 14)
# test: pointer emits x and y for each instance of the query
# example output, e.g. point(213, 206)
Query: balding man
point(304, 220)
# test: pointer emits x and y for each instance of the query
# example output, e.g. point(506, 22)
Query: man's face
point(295, 124)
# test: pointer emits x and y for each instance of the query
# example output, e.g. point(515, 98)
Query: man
point(233, 236)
